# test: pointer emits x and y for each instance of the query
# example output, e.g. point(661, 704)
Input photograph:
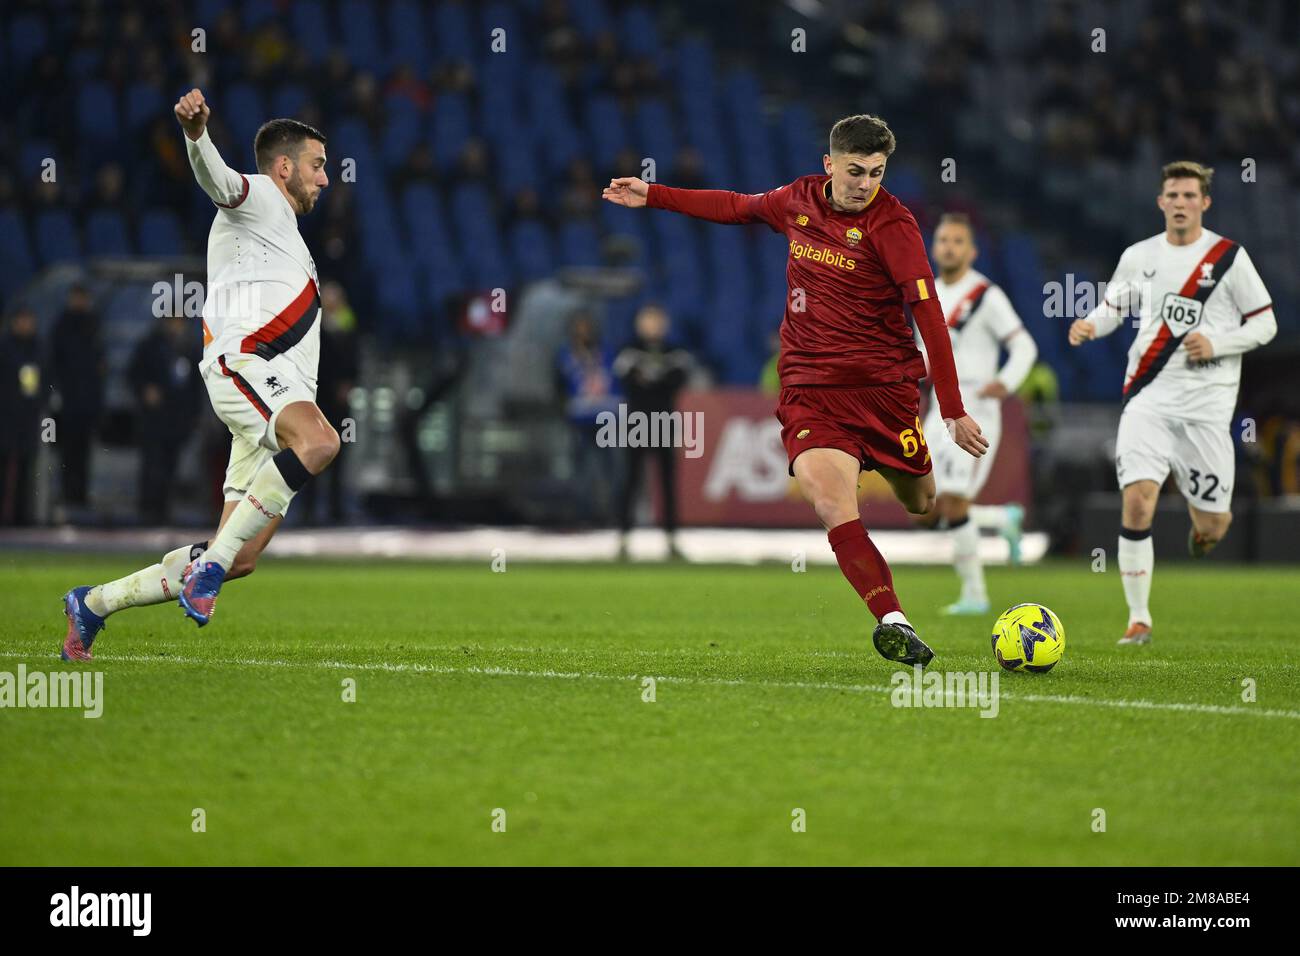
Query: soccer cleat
point(1137, 633)
point(966, 607)
point(898, 642)
point(1197, 546)
point(84, 625)
point(199, 588)
point(1012, 531)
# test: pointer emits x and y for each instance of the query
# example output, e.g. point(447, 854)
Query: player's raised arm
point(713, 205)
point(224, 186)
point(1258, 323)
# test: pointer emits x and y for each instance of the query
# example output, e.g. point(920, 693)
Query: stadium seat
point(408, 36)
point(160, 234)
point(15, 252)
point(361, 38)
point(98, 124)
point(28, 39)
point(531, 247)
point(309, 25)
point(56, 237)
point(106, 234)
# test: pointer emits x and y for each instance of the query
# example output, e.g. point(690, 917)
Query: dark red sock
point(865, 567)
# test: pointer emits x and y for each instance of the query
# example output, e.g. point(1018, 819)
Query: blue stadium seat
point(455, 38)
point(504, 15)
point(590, 17)
point(310, 28)
point(638, 33)
point(531, 244)
point(98, 123)
point(361, 37)
point(403, 131)
point(28, 39)
point(655, 136)
point(579, 244)
point(143, 104)
point(15, 253)
point(56, 237)
point(106, 234)
point(451, 129)
point(160, 234)
point(606, 129)
point(408, 37)
point(289, 100)
point(243, 111)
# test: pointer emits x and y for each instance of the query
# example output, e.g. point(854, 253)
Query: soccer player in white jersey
point(1200, 304)
point(261, 334)
point(981, 323)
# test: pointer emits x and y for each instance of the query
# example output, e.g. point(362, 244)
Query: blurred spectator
point(651, 373)
point(339, 368)
point(169, 393)
point(20, 413)
point(585, 378)
point(78, 369)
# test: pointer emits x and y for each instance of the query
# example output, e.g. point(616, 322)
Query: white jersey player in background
point(981, 322)
point(1200, 304)
point(261, 335)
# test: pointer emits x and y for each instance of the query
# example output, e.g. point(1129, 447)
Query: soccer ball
point(1028, 637)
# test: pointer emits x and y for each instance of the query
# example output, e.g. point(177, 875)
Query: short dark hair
point(956, 219)
point(862, 134)
point(1186, 169)
point(282, 137)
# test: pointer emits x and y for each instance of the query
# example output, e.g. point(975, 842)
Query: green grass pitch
point(522, 691)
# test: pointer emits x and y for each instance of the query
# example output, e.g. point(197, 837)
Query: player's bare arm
point(1082, 330)
point(965, 431)
point(192, 113)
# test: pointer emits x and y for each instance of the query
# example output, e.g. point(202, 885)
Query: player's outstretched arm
point(713, 205)
point(224, 186)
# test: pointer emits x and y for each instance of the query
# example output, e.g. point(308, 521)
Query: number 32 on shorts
point(911, 440)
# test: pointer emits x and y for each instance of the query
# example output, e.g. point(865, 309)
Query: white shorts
point(956, 471)
point(247, 393)
point(1201, 457)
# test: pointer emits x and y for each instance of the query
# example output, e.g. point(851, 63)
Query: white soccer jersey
point(263, 297)
point(1209, 286)
point(981, 321)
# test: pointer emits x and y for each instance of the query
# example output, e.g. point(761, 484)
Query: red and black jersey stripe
point(245, 389)
point(288, 328)
point(1165, 344)
point(964, 309)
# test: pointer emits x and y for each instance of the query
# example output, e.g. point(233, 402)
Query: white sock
point(895, 617)
point(966, 559)
point(152, 585)
point(267, 497)
point(1137, 561)
point(993, 517)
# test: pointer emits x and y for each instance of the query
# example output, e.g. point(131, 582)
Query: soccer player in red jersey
point(849, 365)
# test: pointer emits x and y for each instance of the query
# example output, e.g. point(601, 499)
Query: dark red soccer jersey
point(849, 275)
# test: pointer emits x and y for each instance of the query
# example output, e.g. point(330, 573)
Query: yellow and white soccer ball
point(1028, 637)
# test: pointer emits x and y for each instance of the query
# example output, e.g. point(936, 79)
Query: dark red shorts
point(877, 424)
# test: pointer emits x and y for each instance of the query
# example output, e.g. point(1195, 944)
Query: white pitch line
point(1122, 704)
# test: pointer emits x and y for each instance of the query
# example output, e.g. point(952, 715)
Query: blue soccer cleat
point(84, 625)
point(200, 585)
